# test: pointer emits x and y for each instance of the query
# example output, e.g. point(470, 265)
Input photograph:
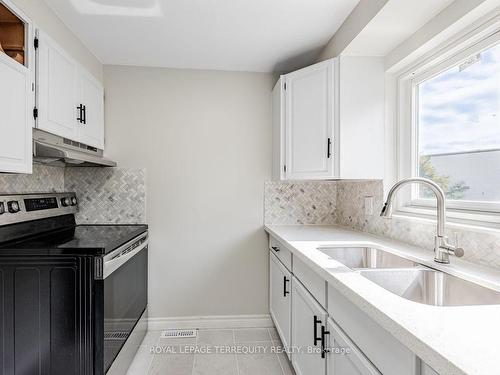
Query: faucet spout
point(442, 248)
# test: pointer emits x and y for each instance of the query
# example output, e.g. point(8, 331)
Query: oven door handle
point(116, 262)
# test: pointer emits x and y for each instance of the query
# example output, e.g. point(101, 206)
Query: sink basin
point(362, 257)
point(432, 287)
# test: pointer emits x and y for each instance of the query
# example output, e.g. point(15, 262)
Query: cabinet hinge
point(35, 112)
point(284, 168)
point(36, 43)
point(284, 87)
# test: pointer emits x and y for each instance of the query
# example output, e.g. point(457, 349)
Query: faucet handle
point(458, 252)
point(453, 250)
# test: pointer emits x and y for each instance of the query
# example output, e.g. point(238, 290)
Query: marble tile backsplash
point(44, 179)
point(342, 203)
point(108, 195)
point(300, 202)
point(481, 247)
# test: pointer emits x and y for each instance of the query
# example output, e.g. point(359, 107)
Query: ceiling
point(395, 23)
point(240, 35)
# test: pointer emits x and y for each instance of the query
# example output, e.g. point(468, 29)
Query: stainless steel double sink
point(411, 280)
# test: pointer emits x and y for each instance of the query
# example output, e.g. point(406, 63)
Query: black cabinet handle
point(275, 248)
point(84, 114)
point(285, 280)
point(80, 113)
point(316, 338)
point(324, 350)
point(329, 148)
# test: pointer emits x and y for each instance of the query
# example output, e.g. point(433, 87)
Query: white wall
point(205, 139)
point(44, 18)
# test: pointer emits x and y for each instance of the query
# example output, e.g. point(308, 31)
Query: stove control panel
point(26, 207)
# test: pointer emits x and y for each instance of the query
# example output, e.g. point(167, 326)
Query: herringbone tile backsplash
point(108, 195)
point(342, 203)
point(43, 180)
point(300, 202)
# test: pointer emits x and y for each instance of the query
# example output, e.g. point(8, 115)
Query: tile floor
point(259, 354)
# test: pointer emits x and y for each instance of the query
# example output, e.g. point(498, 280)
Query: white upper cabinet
point(70, 100)
point(57, 89)
point(16, 93)
point(309, 124)
point(91, 126)
point(328, 121)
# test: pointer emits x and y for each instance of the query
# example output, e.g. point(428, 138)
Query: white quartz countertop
point(452, 340)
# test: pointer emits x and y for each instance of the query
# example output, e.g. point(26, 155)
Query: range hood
point(58, 151)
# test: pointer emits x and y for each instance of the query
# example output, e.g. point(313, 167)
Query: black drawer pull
point(285, 280)
point(316, 338)
point(324, 350)
point(80, 114)
point(275, 248)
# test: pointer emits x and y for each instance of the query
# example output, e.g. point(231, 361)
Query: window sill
point(465, 220)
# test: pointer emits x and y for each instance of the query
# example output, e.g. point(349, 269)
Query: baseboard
point(211, 322)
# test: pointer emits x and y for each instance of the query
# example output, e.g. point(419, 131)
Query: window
point(458, 122)
point(449, 127)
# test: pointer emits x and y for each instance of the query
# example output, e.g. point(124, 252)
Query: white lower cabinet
point(386, 353)
point(308, 320)
point(343, 357)
point(328, 334)
point(280, 299)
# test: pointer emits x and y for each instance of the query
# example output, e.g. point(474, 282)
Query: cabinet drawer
point(311, 280)
point(352, 362)
point(388, 355)
point(283, 254)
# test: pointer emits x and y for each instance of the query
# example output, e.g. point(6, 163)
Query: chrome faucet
point(442, 249)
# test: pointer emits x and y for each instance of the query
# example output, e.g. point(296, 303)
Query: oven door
point(125, 273)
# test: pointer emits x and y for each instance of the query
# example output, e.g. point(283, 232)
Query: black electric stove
point(74, 297)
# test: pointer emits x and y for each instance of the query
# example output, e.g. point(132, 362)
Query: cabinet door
point(310, 121)
point(45, 326)
point(91, 94)
point(57, 89)
point(344, 358)
point(280, 303)
point(307, 319)
point(279, 130)
point(16, 105)
point(15, 124)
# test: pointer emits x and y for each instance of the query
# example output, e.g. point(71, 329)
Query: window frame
point(439, 60)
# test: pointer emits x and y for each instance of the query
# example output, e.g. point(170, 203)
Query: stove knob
point(2, 208)
point(65, 202)
point(13, 207)
point(74, 202)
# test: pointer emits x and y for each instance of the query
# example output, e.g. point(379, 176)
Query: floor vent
point(115, 335)
point(178, 333)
